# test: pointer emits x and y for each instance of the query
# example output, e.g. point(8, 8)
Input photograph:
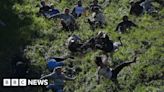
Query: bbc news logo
point(24, 82)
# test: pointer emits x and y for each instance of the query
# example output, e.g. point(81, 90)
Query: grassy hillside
point(40, 37)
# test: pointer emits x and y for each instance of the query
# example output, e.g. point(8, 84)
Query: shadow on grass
point(12, 38)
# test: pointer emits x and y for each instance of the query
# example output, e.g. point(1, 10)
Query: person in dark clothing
point(148, 7)
point(97, 19)
point(53, 62)
point(88, 45)
point(20, 65)
point(53, 11)
point(136, 8)
point(48, 10)
point(95, 5)
point(74, 43)
point(93, 42)
point(44, 8)
point(20, 69)
point(105, 44)
point(67, 20)
point(102, 42)
point(125, 25)
point(109, 73)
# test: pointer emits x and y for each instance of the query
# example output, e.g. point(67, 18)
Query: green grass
point(41, 36)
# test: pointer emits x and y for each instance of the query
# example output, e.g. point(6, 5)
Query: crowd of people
point(96, 16)
point(101, 41)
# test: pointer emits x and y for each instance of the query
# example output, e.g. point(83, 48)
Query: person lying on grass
point(104, 43)
point(101, 42)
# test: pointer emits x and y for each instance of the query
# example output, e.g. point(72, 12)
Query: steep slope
point(42, 37)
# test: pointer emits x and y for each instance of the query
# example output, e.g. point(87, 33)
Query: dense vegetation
point(33, 37)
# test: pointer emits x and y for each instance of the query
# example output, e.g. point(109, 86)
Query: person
point(136, 8)
point(74, 43)
point(67, 20)
point(48, 10)
point(19, 65)
point(103, 42)
point(97, 19)
point(125, 25)
point(78, 10)
point(110, 73)
point(44, 9)
point(88, 45)
point(94, 5)
point(53, 11)
point(59, 79)
point(53, 62)
point(148, 7)
point(93, 41)
point(21, 69)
